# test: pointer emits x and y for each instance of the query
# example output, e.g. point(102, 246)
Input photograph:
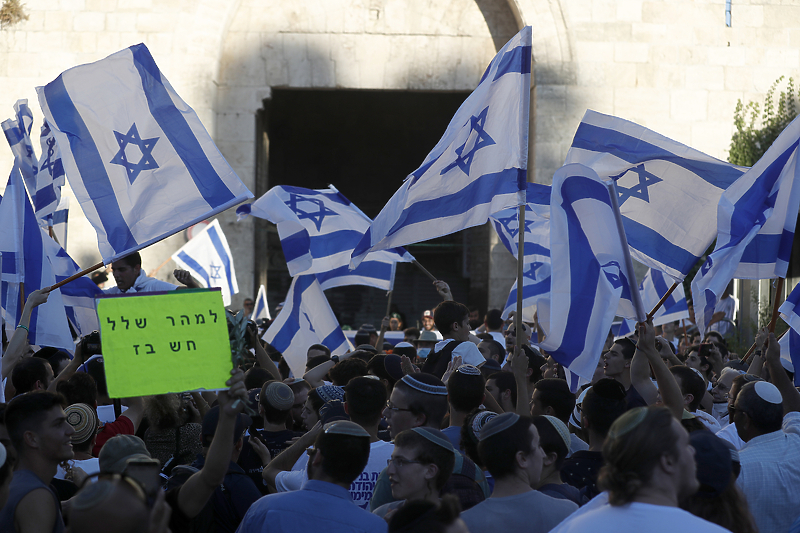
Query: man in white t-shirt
point(649, 468)
point(452, 321)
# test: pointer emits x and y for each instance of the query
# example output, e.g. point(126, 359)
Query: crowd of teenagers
point(452, 430)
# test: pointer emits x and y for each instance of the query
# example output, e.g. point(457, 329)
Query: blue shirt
point(318, 506)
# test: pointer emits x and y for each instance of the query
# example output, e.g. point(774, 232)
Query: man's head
point(511, 335)
point(509, 447)
point(491, 349)
point(344, 371)
point(416, 400)
point(421, 464)
point(110, 500)
point(366, 334)
point(275, 401)
point(83, 420)
point(692, 386)
point(425, 343)
point(722, 387)
point(452, 320)
point(256, 377)
point(38, 427)
point(340, 453)
point(617, 361)
point(427, 320)
point(552, 397)
point(248, 305)
point(647, 448)
point(494, 320)
point(758, 410)
point(126, 270)
point(555, 441)
point(395, 322)
point(32, 373)
point(365, 400)
point(465, 389)
point(119, 450)
point(697, 358)
point(602, 405)
point(300, 388)
point(317, 349)
point(474, 317)
point(503, 388)
point(736, 387)
point(209, 428)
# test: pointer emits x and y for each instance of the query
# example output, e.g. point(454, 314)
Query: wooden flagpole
point(520, 267)
point(76, 276)
point(773, 320)
point(662, 300)
point(383, 330)
point(153, 272)
point(424, 270)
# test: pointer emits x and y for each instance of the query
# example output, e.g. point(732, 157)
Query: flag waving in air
point(18, 135)
point(478, 167)
point(260, 307)
point(49, 177)
point(137, 156)
point(655, 285)
point(208, 258)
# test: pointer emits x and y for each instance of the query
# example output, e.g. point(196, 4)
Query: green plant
point(240, 353)
point(751, 140)
point(11, 12)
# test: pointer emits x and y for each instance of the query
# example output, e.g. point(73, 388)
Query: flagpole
point(76, 276)
point(662, 300)
point(383, 330)
point(21, 297)
point(424, 270)
point(520, 267)
point(153, 272)
point(772, 321)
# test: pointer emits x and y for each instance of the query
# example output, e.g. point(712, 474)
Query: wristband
point(24, 327)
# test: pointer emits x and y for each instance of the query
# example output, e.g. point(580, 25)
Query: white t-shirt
point(470, 355)
point(730, 434)
point(105, 413)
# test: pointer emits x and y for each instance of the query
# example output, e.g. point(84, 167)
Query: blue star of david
point(310, 326)
point(49, 164)
point(215, 272)
point(480, 140)
point(511, 224)
point(614, 275)
point(145, 145)
point(315, 217)
point(530, 272)
point(706, 266)
point(639, 190)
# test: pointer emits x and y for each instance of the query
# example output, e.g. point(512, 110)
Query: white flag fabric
point(756, 220)
point(18, 135)
point(790, 309)
point(261, 308)
point(478, 167)
point(318, 231)
point(535, 287)
point(60, 218)
point(26, 265)
point(655, 285)
point(667, 192)
point(306, 319)
point(208, 258)
point(592, 276)
point(50, 177)
point(136, 155)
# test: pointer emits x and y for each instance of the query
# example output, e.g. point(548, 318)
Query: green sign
point(160, 343)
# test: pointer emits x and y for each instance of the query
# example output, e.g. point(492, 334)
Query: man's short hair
point(555, 393)
point(498, 451)
point(79, 388)
point(132, 260)
point(633, 449)
point(551, 440)
point(603, 404)
point(494, 319)
point(465, 391)
point(97, 369)
point(366, 399)
point(343, 456)
point(628, 347)
point(27, 372)
point(321, 348)
point(316, 361)
point(273, 414)
point(27, 413)
point(535, 362)
point(362, 337)
point(447, 313)
point(344, 371)
point(690, 383)
point(428, 453)
point(765, 416)
point(504, 381)
point(433, 406)
point(495, 348)
point(256, 377)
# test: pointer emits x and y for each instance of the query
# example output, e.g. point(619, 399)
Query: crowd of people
point(454, 429)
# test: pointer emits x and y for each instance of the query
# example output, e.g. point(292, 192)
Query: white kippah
point(787, 365)
point(469, 370)
point(768, 392)
point(562, 429)
point(439, 390)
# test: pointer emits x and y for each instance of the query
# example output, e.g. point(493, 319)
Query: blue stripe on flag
point(45, 196)
point(194, 265)
point(223, 255)
point(292, 324)
point(9, 263)
point(517, 60)
point(661, 288)
point(597, 139)
point(653, 244)
point(794, 354)
point(32, 251)
point(367, 269)
point(333, 243)
point(177, 130)
point(90, 165)
point(60, 217)
point(334, 340)
point(13, 135)
point(295, 245)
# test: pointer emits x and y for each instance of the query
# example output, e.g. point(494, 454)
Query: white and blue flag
point(756, 220)
point(535, 287)
point(318, 231)
point(60, 219)
point(261, 307)
point(306, 319)
point(790, 308)
point(26, 267)
point(667, 192)
point(50, 177)
point(136, 155)
point(592, 274)
point(18, 135)
point(208, 258)
point(478, 167)
point(652, 288)
point(790, 351)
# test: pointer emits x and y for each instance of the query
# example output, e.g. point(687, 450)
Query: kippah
point(83, 420)
point(698, 372)
point(498, 424)
point(562, 429)
point(435, 436)
point(627, 422)
point(404, 344)
point(768, 392)
point(427, 388)
point(480, 420)
point(469, 370)
point(345, 427)
point(787, 365)
point(279, 396)
point(330, 392)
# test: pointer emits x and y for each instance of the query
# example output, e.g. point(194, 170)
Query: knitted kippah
point(279, 396)
point(627, 422)
point(562, 429)
point(435, 436)
point(469, 370)
point(330, 392)
point(427, 388)
point(83, 420)
point(498, 424)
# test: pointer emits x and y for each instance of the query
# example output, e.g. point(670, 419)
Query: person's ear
point(688, 399)
point(550, 411)
point(31, 439)
point(522, 459)
point(431, 471)
point(505, 395)
point(550, 459)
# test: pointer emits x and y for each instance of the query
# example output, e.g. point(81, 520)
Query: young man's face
point(688, 483)
point(397, 413)
point(54, 436)
point(614, 361)
point(124, 274)
point(427, 323)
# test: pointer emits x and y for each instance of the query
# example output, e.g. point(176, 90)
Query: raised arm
point(18, 344)
point(519, 367)
point(667, 386)
point(263, 358)
point(288, 457)
point(791, 398)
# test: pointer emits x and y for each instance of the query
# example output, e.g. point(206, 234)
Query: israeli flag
point(208, 258)
point(318, 230)
point(137, 156)
point(535, 287)
point(790, 351)
point(652, 288)
point(756, 220)
point(26, 266)
point(478, 167)
point(50, 177)
point(306, 319)
point(537, 224)
point(667, 192)
point(60, 218)
point(592, 274)
point(790, 309)
point(261, 308)
point(18, 135)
